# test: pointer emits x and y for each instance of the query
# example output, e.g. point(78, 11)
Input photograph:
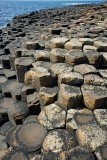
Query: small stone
point(77, 118)
point(84, 69)
point(58, 141)
point(57, 55)
point(48, 95)
point(73, 44)
point(72, 78)
point(94, 96)
point(91, 137)
point(58, 42)
point(69, 96)
point(79, 153)
point(75, 57)
point(52, 117)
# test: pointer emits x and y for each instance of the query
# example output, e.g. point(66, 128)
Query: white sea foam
point(67, 4)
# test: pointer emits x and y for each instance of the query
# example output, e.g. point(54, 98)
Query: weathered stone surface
point(93, 79)
point(79, 153)
point(72, 78)
point(17, 112)
point(42, 55)
point(57, 55)
point(12, 88)
point(86, 41)
point(104, 54)
point(39, 77)
point(52, 117)
point(91, 137)
point(10, 74)
point(75, 57)
point(33, 103)
point(94, 96)
point(69, 96)
point(58, 42)
point(103, 73)
point(31, 136)
point(101, 45)
point(101, 152)
point(3, 144)
point(23, 64)
point(30, 118)
point(32, 45)
point(101, 117)
point(26, 90)
point(88, 48)
point(94, 58)
point(48, 95)
point(77, 118)
point(58, 141)
point(2, 81)
point(73, 44)
point(16, 153)
point(84, 69)
point(5, 61)
point(5, 128)
point(61, 68)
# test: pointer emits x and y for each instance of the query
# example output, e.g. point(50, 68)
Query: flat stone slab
point(75, 57)
point(91, 137)
point(77, 118)
point(101, 45)
point(101, 117)
point(93, 79)
point(58, 141)
point(58, 42)
point(73, 44)
point(59, 68)
point(69, 96)
point(94, 96)
point(84, 69)
point(52, 117)
point(57, 55)
point(48, 95)
point(72, 78)
point(79, 153)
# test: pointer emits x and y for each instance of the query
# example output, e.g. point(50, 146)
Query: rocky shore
point(53, 85)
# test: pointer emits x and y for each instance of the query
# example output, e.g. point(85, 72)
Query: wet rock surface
point(53, 85)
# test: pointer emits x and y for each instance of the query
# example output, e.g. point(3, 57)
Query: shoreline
point(53, 84)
